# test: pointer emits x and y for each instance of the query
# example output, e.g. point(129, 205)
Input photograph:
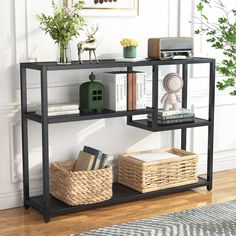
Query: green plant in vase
point(221, 34)
point(62, 26)
point(129, 47)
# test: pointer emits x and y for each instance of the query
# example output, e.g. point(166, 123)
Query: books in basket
point(59, 109)
point(84, 161)
point(98, 156)
point(91, 159)
point(154, 156)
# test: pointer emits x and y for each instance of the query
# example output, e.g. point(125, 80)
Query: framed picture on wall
point(110, 7)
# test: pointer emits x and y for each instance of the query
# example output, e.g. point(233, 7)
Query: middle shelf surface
point(87, 116)
point(139, 123)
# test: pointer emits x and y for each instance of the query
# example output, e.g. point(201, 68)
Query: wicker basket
point(151, 176)
point(80, 187)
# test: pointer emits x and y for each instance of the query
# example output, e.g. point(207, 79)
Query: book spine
point(114, 92)
point(173, 112)
point(174, 121)
point(117, 93)
point(129, 91)
point(58, 113)
point(172, 117)
point(56, 108)
point(103, 161)
point(179, 116)
point(124, 91)
point(138, 91)
point(141, 90)
point(134, 95)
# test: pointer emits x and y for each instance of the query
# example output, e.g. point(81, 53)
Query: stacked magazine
point(58, 109)
point(182, 115)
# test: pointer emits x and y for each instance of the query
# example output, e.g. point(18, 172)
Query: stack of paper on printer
point(154, 156)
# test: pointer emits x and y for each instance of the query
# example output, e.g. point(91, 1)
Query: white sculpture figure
point(172, 83)
point(89, 45)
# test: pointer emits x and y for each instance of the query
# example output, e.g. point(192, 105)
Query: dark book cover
point(98, 156)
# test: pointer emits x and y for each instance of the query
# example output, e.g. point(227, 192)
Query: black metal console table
point(48, 205)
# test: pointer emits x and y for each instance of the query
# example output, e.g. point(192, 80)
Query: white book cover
point(154, 156)
point(116, 86)
point(60, 107)
point(173, 112)
point(60, 113)
point(141, 94)
point(123, 88)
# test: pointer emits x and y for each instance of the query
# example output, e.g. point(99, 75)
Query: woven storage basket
point(151, 176)
point(80, 187)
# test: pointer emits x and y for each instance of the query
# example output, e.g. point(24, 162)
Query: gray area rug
point(214, 220)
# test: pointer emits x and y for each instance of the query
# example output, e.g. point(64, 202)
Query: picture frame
point(114, 8)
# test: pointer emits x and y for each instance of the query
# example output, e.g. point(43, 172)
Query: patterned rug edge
point(172, 230)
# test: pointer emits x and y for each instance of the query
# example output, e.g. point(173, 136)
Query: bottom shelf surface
point(121, 194)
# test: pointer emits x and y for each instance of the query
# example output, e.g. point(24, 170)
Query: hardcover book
point(175, 121)
point(141, 90)
point(137, 94)
point(104, 161)
point(172, 117)
point(84, 161)
point(59, 107)
point(98, 156)
point(116, 90)
point(60, 113)
point(130, 91)
point(162, 112)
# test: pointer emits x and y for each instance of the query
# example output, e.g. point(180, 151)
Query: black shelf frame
point(121, 194)
point(50, 206)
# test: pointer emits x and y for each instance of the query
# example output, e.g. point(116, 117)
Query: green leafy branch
point(221, 35)
point(64, 24)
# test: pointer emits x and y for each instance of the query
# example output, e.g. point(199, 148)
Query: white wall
point(22, 40)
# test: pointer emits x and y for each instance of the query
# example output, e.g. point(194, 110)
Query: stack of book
point(125, 91)
point(58, 109)
point(181, 115)
point(91, 159)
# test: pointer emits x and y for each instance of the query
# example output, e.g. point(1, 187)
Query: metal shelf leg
point(24, 124)
point(211, 126)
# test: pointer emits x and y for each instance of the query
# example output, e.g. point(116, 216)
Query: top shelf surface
point(111, 63)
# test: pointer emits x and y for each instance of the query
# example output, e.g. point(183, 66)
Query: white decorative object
point(89, 45)
point(172, 83)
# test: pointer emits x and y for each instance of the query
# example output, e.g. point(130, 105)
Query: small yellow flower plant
point(129, 42)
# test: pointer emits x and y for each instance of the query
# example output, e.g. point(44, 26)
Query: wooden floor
point(19, 222)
